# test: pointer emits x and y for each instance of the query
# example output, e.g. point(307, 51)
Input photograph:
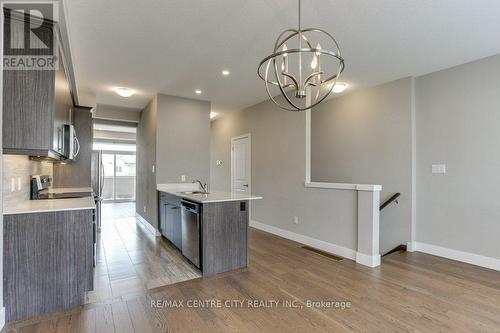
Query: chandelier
point(303, 74)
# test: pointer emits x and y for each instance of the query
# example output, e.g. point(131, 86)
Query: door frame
point(249, 162)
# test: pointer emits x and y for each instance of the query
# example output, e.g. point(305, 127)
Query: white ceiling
point(177, 46)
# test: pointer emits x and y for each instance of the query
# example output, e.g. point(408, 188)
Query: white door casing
point(241, 164)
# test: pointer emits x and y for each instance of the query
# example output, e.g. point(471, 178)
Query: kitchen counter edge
point(50, 205)
point(215, 196)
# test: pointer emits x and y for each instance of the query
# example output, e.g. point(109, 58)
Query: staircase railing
point(386, 203)
point(390, 200)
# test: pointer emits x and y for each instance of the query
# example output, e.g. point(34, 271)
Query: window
point(119, 176)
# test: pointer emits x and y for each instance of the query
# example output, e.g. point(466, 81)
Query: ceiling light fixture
point(213, 115)
point(306, 74)
point(225, 72)
point(198, 91)
point(124, 92)
point(340, 87)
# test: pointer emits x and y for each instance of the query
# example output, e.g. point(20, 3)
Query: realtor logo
point(30, 38)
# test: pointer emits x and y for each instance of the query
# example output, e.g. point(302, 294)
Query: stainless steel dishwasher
point(191, 231)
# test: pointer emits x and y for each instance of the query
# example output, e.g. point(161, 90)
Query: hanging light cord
point(300, 53)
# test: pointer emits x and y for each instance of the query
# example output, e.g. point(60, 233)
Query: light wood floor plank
point(409, 292)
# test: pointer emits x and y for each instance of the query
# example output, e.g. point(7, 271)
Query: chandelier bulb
point(318, 47)
point(314, 62)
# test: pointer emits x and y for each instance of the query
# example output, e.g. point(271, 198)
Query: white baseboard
point(411, 246)
point(467, 257)
point(148, 226)
point(316, 243)
point(2, 317)
point(367, 260)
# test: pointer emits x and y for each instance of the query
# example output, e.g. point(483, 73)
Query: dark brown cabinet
point(36, 103)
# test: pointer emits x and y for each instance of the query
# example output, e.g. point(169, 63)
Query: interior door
point(240, 164)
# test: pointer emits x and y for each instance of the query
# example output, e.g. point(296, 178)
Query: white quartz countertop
point(69, 190)
point(50, 205)
point(212, 196)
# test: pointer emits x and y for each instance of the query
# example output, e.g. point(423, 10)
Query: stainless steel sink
point(194, 192)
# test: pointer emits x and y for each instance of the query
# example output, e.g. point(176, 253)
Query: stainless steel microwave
point(71, 145)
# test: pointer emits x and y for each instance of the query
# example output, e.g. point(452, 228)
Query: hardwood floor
point(409, 292)
point(130, 260)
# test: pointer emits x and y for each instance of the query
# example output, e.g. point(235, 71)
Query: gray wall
point(1, 173)
point(458, 124)
point(183, 139)
point(146, 198)
point(278, 150)
point(174, 136)
point(78, 172)
point(111, 112)
point(365, 137)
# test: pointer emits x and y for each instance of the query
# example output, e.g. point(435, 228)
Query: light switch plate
point(19, 183)
point(439, 168)
point(183, 178)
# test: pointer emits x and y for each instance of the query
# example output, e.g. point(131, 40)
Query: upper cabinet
point(36, 103)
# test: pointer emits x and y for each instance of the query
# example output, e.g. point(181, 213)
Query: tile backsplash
point(20, 167)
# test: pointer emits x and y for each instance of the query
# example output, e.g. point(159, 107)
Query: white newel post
point(368, 225)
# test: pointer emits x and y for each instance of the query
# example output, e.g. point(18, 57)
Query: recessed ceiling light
point(339, 87)
point(213, 115)
point(225, 72)
point(198, 91)
point(124, 92)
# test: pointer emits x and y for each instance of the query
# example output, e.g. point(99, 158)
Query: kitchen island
point(211, 230)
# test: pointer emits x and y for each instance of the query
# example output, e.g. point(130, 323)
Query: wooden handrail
point(390, 200)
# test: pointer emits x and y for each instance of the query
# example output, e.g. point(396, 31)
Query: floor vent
point(323, 253)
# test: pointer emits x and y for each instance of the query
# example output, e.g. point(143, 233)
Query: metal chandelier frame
point(302, 86)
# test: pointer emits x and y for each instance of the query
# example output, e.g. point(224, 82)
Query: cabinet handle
point(59, 140)
point(77, 147)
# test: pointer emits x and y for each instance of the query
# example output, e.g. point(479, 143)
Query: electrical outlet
point(183, 178)
point(19, 183)
point(144, 209)
point(12, 184)
point(295, 220)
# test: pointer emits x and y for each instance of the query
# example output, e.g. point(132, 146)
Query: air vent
point(322, 253)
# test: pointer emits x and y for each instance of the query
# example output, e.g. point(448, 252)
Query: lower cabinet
point(170, 219)
point(48, 261)
point(173, 224)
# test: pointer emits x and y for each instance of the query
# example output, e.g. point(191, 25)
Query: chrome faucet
point(203, 186)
